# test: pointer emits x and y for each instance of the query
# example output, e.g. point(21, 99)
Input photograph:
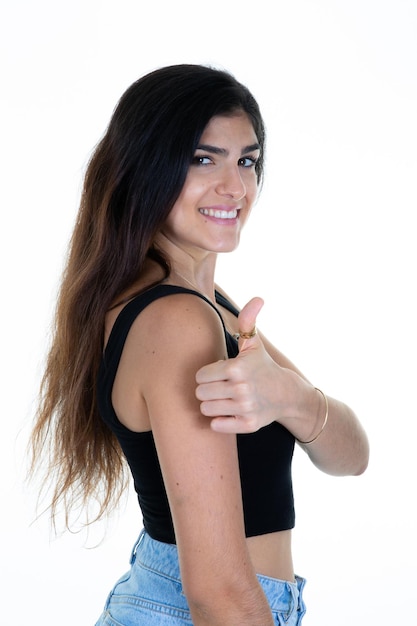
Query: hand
point(236, 393)
point(249, 392)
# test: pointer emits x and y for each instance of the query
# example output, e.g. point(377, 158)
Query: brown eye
point(201, 160)
point(248, 161)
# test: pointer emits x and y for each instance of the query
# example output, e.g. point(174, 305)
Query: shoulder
point(177, 327)
point(184, 310)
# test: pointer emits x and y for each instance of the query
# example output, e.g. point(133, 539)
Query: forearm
point(260, 386)
point(222, 587)
point(342, 447)
point(233, 607)
point(326, 429)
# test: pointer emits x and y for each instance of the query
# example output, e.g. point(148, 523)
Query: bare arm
point(342, 448)
point(261, 385)
point(199, 466)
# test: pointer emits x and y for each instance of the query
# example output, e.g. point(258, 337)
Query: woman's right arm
point(178, 335)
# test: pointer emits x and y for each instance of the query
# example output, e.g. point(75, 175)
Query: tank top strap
point(220, 299)
point(134, 307)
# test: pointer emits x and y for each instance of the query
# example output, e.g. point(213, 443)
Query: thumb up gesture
point(247, 324)
point(235, 392)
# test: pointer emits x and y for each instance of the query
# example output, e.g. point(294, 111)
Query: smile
point(220, 213)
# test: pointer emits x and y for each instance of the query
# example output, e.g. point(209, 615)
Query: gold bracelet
point(325, 419)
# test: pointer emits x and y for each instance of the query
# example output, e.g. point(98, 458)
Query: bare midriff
point(271, 555)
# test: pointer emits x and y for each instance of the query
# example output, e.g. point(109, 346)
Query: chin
point(226, 246)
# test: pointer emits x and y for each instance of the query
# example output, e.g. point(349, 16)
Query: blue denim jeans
point(150, 593)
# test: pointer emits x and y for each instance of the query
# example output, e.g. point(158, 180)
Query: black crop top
point(264, 456)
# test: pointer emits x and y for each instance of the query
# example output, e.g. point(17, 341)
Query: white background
point(330, 247)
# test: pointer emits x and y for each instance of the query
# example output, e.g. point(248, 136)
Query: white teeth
point(224, 215)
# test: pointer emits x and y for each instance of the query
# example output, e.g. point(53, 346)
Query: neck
point(192, 280)
point(191, 266)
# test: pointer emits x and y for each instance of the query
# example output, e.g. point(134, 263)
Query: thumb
point(247, 321)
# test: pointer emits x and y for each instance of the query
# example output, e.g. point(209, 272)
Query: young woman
point(139, 319)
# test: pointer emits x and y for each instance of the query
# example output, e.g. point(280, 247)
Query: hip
point(151, 593)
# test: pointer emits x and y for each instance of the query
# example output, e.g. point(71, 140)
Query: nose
point(231, 183)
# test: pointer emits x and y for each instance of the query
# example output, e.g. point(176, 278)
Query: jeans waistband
point(156, 555)
point(163, 558)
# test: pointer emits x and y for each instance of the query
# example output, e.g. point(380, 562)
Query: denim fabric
point(150, 593)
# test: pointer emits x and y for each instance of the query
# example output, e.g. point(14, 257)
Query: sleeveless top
point(264, 456)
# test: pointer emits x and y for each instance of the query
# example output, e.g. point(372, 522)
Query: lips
point(221, 214)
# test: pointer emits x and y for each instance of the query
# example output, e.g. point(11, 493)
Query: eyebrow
point(223, 151)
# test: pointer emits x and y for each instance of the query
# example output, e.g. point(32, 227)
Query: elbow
point(360, 461)
point(363, 457)
point(205, 599)
point(361, 469)
point(351, 462)
point(363, 463)
point(230, 602)
point(357, 454)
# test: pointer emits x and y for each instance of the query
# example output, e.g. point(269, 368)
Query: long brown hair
point(132, 181)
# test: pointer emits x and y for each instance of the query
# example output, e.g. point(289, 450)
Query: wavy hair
point(132, 181)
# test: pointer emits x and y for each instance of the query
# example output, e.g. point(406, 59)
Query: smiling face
point(220, 188)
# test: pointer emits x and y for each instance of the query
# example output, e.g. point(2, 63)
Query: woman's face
point(220, 188)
